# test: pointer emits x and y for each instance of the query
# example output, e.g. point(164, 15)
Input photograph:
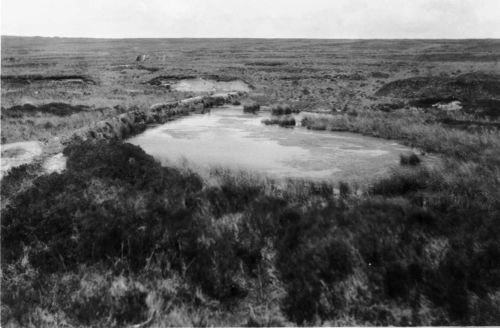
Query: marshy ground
point(96, 232)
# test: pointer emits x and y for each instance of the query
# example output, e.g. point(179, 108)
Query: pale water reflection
point(228, 137)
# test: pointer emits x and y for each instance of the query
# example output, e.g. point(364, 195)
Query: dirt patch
point(58, 109)
point(28, 79)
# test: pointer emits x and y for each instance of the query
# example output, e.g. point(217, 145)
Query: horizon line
point(238, 38)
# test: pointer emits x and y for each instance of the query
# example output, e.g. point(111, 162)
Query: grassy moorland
point(117, 240)
point(316, 75)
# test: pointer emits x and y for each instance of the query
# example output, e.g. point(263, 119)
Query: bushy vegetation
point(117, 239)
point(282, 120)
point(252, 107)
point(281, 110)
point(409, 159)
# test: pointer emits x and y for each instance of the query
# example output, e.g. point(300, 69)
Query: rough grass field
point(117, 240)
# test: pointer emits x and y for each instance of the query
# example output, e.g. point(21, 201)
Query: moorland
point(117, 239)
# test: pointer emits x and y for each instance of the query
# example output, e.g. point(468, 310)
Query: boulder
point(141, 58)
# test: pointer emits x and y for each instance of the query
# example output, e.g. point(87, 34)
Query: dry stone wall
point(133, 122)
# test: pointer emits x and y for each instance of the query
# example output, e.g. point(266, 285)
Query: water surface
point(227, 137)
point(18, 153)
point(203, 85)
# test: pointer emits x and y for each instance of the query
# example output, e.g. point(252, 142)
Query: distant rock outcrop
point(141, 58)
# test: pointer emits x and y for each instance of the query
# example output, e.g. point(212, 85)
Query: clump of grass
point(344, 189)
point(402, 183)
point(285, 121)
point(281, 110)
point(409, 159)
point(251, 108)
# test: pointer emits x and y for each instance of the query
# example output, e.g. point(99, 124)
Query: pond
point(26, 152)
point(207, 85)
point(227, 137)
point(18, 153)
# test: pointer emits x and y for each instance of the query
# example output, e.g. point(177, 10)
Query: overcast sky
point(253, 18)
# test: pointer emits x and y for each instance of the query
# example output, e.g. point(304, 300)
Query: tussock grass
point(251, 107)
point(46, 126)
point(409, 159)
point(282, 120)
point(413, 130)
point(281, 109)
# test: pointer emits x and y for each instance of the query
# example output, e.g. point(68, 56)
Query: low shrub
point(401, 183)
point(251, 108)
point(281, 110)
point(409, 159)
point(312, 260)
point(285, 121)
point(344, 189)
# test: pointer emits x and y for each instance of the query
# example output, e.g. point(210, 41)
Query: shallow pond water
point(18, 153)
point(229, 138)
point(26, 152)
point(203, 85)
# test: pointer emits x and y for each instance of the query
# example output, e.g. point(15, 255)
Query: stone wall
point(136, 121)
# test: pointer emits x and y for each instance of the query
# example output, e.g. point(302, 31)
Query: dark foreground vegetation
point(117, 239)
